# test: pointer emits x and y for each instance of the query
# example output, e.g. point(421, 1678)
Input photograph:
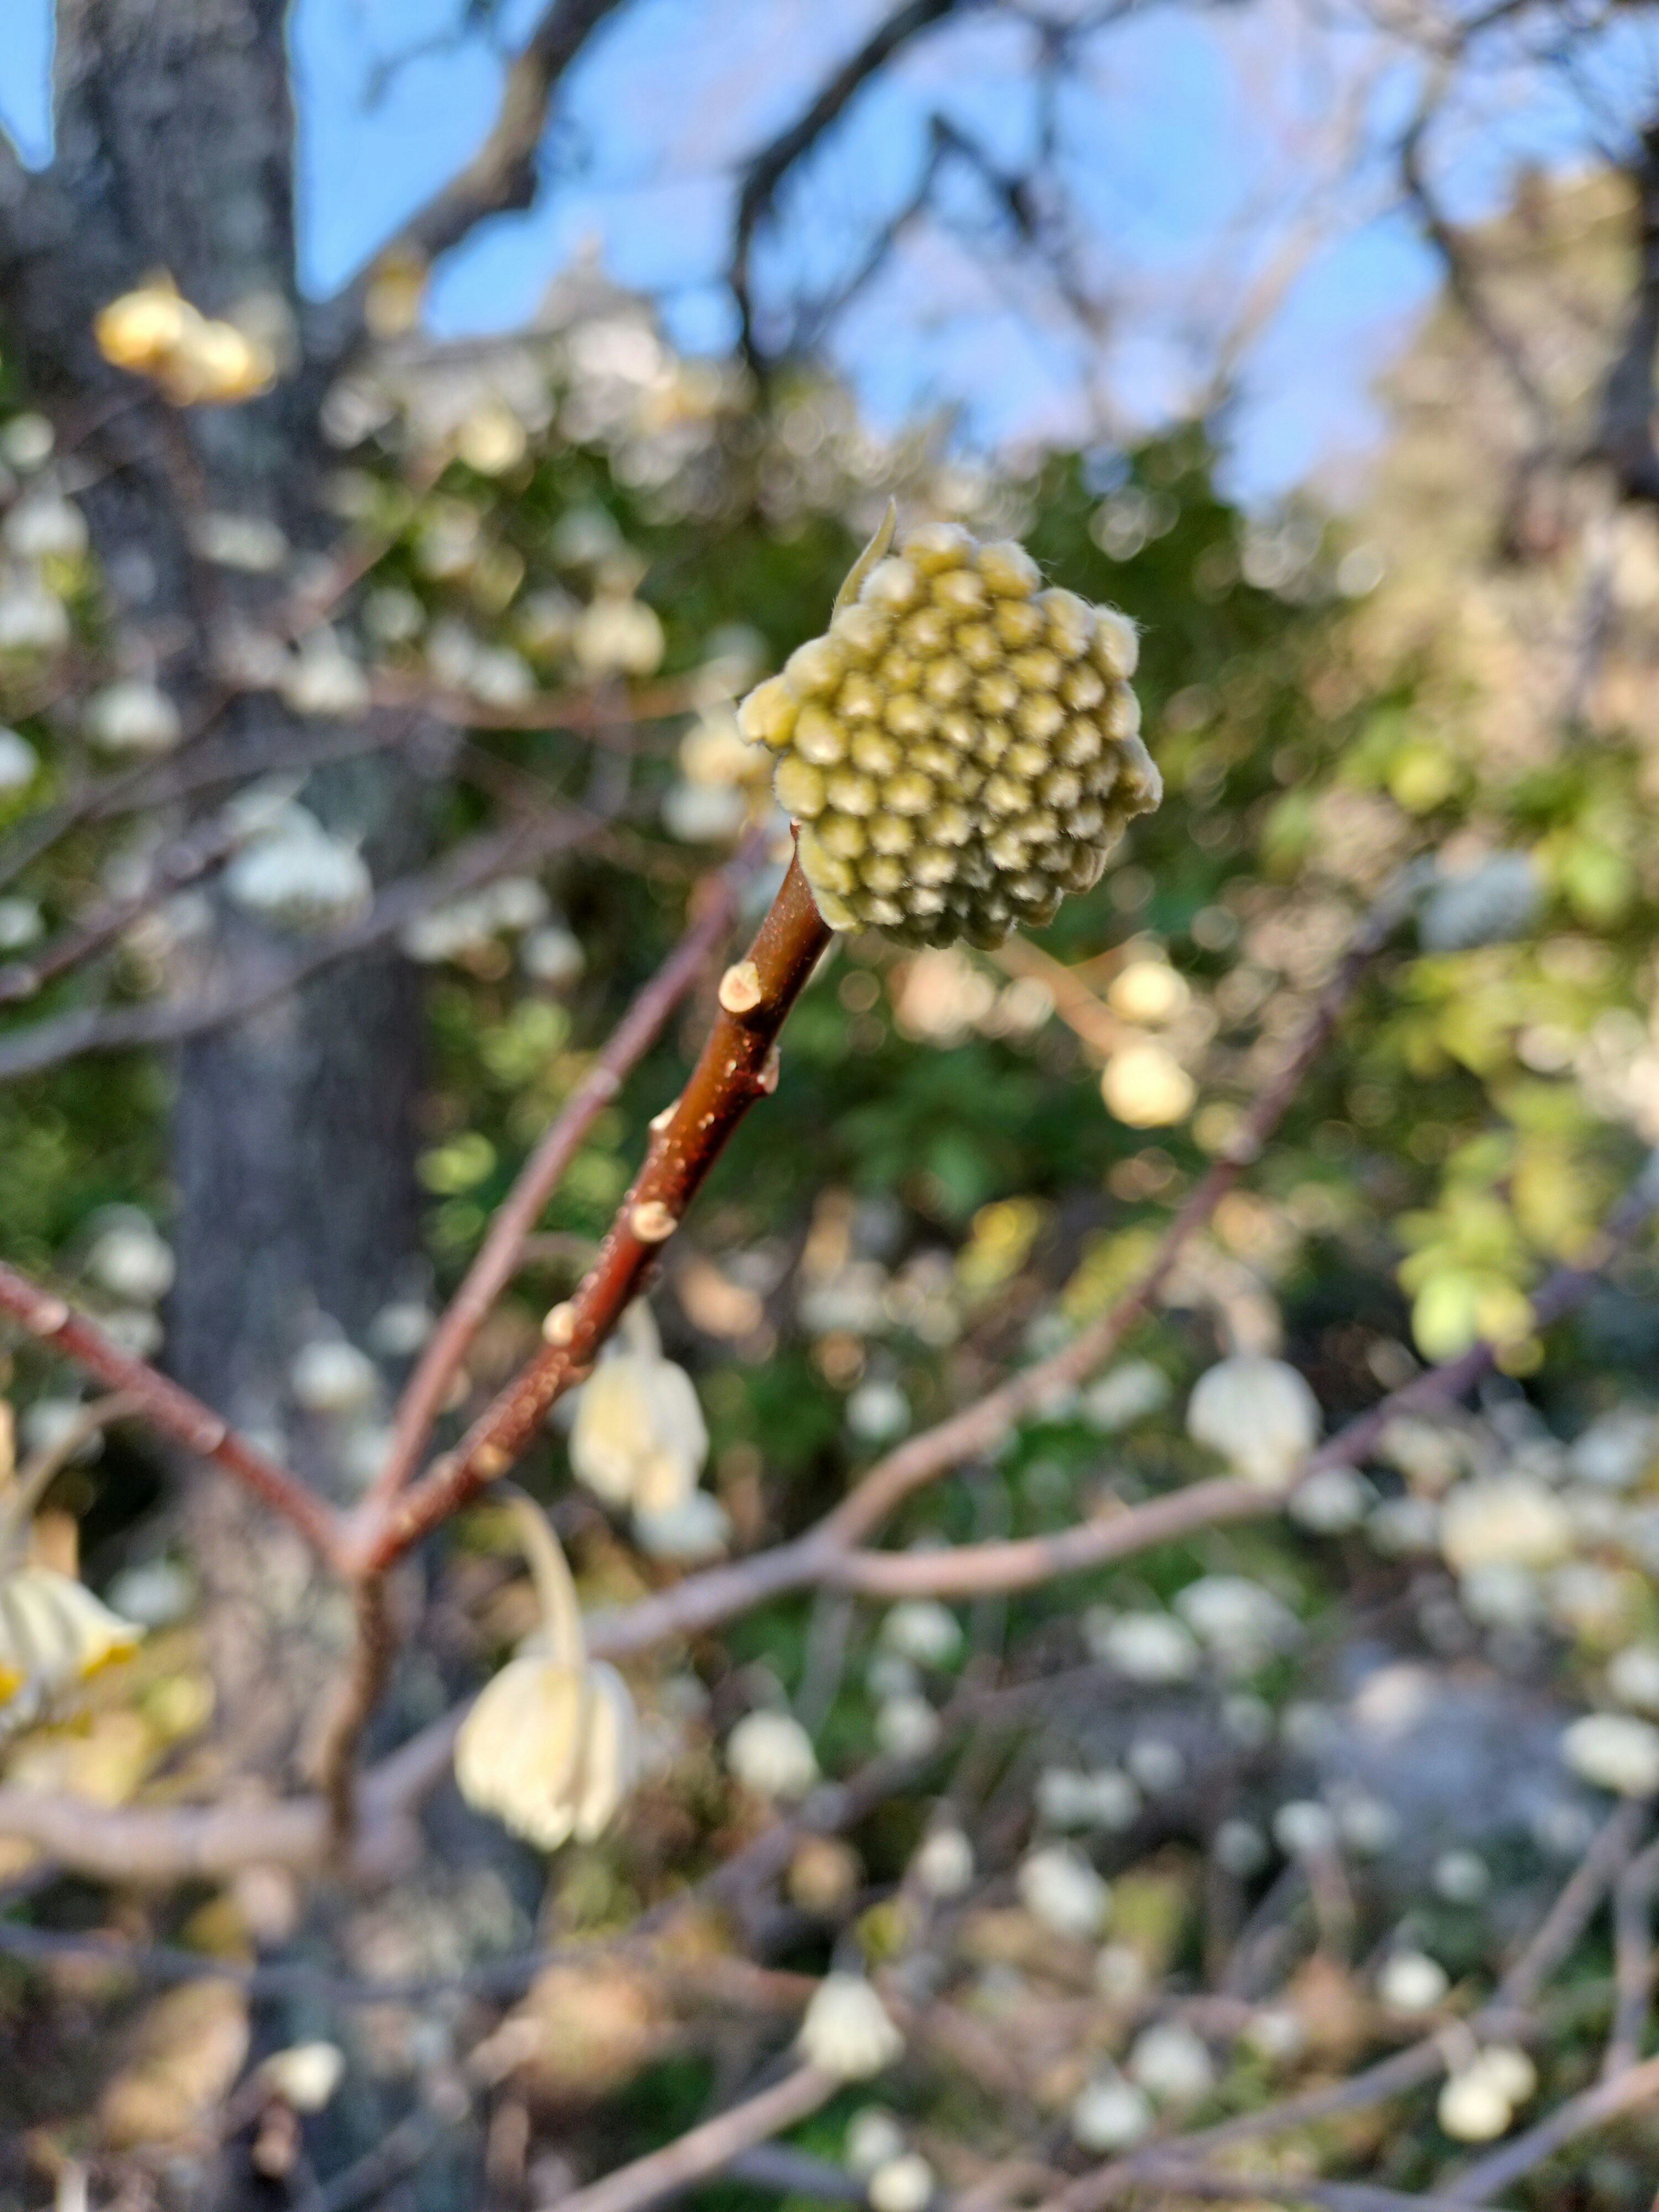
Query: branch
point(126, 1029)
point(767, 170)
point(707, 2149)
point(736, 1067)
point(501, 177)
point(498, 1257)
point(1266, 2189)
point(49, 1320)
point(374, 1654)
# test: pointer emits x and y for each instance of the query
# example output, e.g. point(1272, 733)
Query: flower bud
point(961, 749)
point(847, 2032)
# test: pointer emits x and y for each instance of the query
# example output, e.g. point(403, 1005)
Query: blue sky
point(1193, 147)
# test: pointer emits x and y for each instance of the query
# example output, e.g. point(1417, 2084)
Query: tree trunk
point(294, 1131)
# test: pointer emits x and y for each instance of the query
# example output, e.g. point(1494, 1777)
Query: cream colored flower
point(1058, 1886)
point(1615, 1751)
point(54, 1634)
point(905, 2183)
point(847, 2032)
point(1508, 1520)
point(1258, 1413)
point(638, 1438)
point(551, 1747)
point(961, 747)
point(772, 1754)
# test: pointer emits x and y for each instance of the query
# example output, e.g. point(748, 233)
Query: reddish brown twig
point(372, 1654)
point(50, 1321)
point(736, 1067)
point(492, 1269)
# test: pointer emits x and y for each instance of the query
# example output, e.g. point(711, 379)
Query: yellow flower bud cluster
point(961, 747)
point(196, 360)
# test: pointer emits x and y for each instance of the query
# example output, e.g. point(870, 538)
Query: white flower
point(1258, 1413)
point(551, 1745)
point(500, 677)
point(698, 1528)
point(323, 681)
point(1305, 1829)
point(923, 1630)
point(1633, 1676)
point(1614, 1751)
point(1129, 1394)
point(329, 1375)
point(250, 542)
point(45, 526)
point(846, 2031)
point(27, 441)
point(32, 618)
point(133, 718)
point(1108, 2113)
point(906, 1727)
point(47, 1425)
point(21, 923)
point(1367, 1824)
point(1478, 2102)
point(1618, 1449)
point(306, 2075)
point(1242, 1623)
point(873, 2138)
point(1501, 1596)
point(552, 956)
point(772, 1754)
point(1334, 1499)
point(19, 763)
point(1069, 1799)
point(1412, 1982)
point(300, 877)
point(944, 1866)
point(1059, 1887)
point(877, 1410)
point(399, 1330)
point(132, 1261)
point(1462, 1877)
point(704, 813)
point(1171, 2063)
point(1156, 1764)
point(638, 1438)
point(1490, 904)
point(1506, 1520)
point(1240, 1849)
point(1402, 1525)
point(905, 2183)
point(54, 1633)
point(1147, 1647)
point(617, 636)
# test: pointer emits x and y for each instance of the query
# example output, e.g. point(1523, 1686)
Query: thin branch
point(736, 1067)
point(1624, 430)
point(501, 179)
point(1270, 2188)
point(374, 1654)
point(1632, 1940)
point(516, 1218)
point(19, 1497)
point(52, 1325)
point(766, 171)
point(707, 2149)
point(126, 1029)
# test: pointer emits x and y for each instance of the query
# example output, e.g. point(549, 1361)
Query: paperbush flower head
point(551, 1747)
point(640, 1439)
point(1258, 1413)
point(961, 747)
point(846, 2030)
point(54, 1634)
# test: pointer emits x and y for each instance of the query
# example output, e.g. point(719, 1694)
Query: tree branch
point(498, 1257)
point(51, 1323)
point(707, 2149)
point(736, 1067)
point(501, 178)
point(1624, 430)
point(766, 171)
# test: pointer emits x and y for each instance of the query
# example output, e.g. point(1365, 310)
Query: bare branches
point(174, 1412)
point(707, 2149)
point(1594, 2108)
point(501, 178)
point(738, 1065)
point(498, 1256)
point(767, 170)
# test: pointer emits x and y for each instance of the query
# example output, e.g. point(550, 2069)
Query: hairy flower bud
point(961, 749)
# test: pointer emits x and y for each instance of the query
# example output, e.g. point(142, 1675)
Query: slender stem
point(498, 1256)
point(707, 2149)
point(50, 1321)
point(18, 1499)
point(372, 1655)
point(736, 1067)
point(549, 1571)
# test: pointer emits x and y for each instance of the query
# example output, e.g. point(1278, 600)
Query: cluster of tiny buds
point(961, 747)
